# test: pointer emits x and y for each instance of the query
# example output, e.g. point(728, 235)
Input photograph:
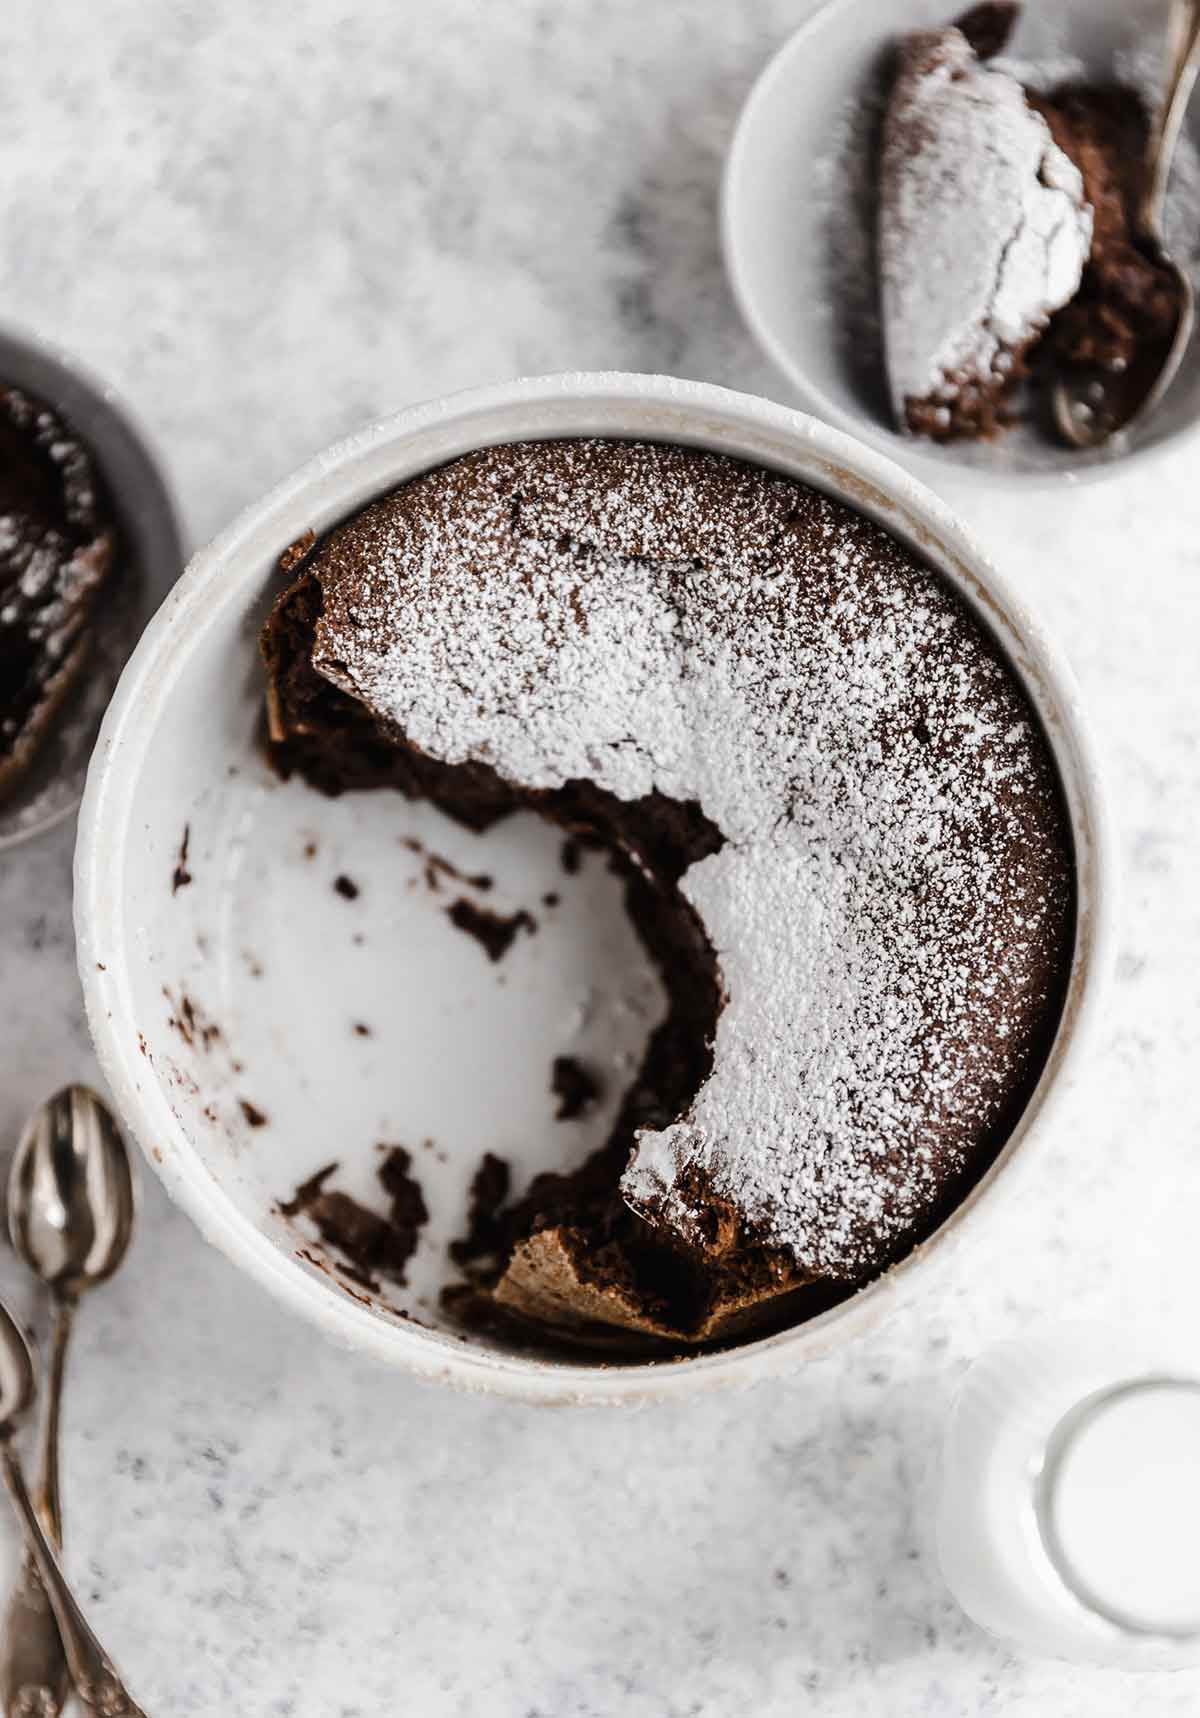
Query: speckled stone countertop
point(268, 224)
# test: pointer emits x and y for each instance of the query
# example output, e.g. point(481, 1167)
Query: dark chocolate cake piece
point(57, 555)
point(842, 836)
point(983, 234)
point(1125, 303)
point(1006, 232)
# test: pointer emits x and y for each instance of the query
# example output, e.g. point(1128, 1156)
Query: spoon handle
point(49, 1502)
point(1183, 60)
point(34, 1680)
point(100, 1690)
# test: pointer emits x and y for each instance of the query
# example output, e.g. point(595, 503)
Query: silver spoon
point(70, 1217)
point(100, 1689)
point(1093, 406)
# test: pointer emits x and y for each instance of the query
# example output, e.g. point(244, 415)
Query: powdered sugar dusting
point(984, 231)
point(891, 907)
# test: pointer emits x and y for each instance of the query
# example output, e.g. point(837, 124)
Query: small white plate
point(799, 209)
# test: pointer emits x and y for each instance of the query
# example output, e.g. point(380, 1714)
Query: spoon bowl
point(18, 1380)
point(70, 1217)
point(1093, 406)
point(70, 1192)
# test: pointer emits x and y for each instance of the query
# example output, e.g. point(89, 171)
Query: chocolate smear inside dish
point(58, 559)
point(839, 829)
point(494, 932)
point(370, 1244)
point(575, 1087)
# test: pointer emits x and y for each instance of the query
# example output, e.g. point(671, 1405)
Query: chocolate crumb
point(574, 1087)
point(489, 1190)
point(310, 849)
point(346, 887)
point(361, 1030)
point(493, 931)
point(550, 900)
point(188, 1020)
point(181, 876)
point(183, 1019)
point(988, 26)
point(374, 1245)
point(361, 1235)
point(436, 866)
point(409, 1211)
point(295, 552)
point(571, 855)
point(254, 1116)
point(307, 1191)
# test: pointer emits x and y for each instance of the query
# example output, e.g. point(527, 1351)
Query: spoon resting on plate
point(1092, 405)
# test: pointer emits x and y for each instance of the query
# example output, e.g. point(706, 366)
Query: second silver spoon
point(101, 1691)
point(70, 1218)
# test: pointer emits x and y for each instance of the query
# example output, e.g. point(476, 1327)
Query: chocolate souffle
point(841, 832)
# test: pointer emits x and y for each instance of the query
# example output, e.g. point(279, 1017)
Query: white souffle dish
point(227, 981)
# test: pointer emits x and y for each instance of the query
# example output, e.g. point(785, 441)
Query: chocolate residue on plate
point(361, 1030)
point(188, 1020)
point(571, 855)
point(436, 866)
point(254, 1116)
point(181, 876)
point(574, 1087)
point(322, 1265)
point(346, 887)
point(494, 932)
point(307, 1192)
point(409, 1212)
point(373, 1245)
point(489, 1191)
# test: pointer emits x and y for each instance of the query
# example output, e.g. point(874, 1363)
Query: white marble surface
point(266, 224)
